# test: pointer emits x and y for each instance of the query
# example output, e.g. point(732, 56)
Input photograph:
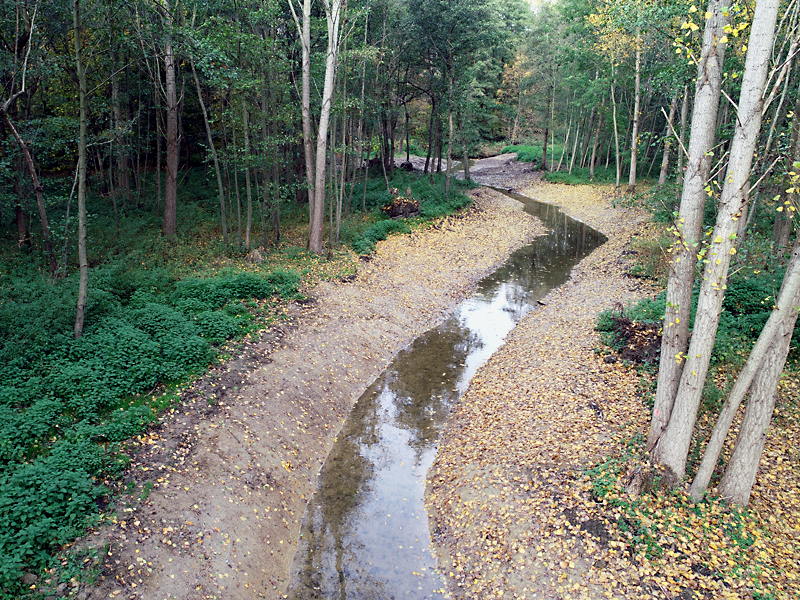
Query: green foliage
point(581, 176)
point(433, 199)
point(365, 244)
point(66, 404)
point(526, 153)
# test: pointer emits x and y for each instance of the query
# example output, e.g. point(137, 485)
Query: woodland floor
point(219, 488)
point(514, 512)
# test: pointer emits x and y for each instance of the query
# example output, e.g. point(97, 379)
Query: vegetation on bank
point(731, 550)
point(158, 315)
point(561, 170)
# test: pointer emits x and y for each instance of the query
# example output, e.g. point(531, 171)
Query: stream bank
point(507, 489)
point(219, 488)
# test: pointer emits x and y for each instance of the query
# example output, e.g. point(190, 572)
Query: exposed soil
point(219, 487)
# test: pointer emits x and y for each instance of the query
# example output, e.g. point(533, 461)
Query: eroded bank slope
point(505, 489)
point(221, 485)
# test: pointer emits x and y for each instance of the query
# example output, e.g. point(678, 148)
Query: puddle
point(365, 533)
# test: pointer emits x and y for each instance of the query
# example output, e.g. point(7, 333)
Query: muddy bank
point(219, 488)
point(506, 489)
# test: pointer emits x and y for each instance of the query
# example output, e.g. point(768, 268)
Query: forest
point(174, 172)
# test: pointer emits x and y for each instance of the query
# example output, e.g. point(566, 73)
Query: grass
point(578, 176)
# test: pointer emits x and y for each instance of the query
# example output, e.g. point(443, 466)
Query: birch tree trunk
point(304, 30)
point(169, 227)
point(672, 448)
point(637, 98)
point(740, 473)
point(682, 139)
point(248, 190)
point(673, 107)
point(688, 229)
point(83, 281)
point(776, 335)
point(333, 13)
point(213, 149)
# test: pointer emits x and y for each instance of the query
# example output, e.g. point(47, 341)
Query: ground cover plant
point(533, 154)
point(158, 315)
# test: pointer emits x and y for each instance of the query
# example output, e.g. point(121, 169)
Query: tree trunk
point(83, 281)
point(333, 13)
point(776, 335)
point(171, 184)
point(673, 446)
point(675, 339)
point(637, 98)
point(248, 190)
point(616, 128)
point(450, 130)
point(662, 176)
point(304, 30)
point(596, 139)
point(740, 473)
point(215, 158)
point(682, 139)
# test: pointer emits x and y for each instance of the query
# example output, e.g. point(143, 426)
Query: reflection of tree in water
point(424, 380)
point(343, 482)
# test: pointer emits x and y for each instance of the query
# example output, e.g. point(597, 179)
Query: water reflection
point(365, 534)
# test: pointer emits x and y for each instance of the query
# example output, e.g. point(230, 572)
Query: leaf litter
point(218, 488)
point(528, 492)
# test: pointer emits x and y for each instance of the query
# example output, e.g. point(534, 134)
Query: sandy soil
point(220, 486)
point(504, 492)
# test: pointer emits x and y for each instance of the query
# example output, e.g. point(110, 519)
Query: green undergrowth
point(716, 541)
point(66, 405)
point(434, 201)
point(158, 314)
point(578, 176)
point(746, 308)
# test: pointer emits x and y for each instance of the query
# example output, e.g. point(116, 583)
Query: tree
point(672, 447)
point(688, 228)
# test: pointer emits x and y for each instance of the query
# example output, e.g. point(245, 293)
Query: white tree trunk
point(740, 474)
point(662, 176)
point(675, 339)
point(637, 98)
point(333, 13)
point(778, 329)
point(673, 446)
point(213, 149)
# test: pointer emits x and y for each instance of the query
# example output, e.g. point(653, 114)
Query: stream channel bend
point(365, 532)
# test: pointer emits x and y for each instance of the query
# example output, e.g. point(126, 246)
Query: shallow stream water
point(365, 533)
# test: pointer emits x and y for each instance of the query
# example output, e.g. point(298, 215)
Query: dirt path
point(220, 487)
point(507, 486)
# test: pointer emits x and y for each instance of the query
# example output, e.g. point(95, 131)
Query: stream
point(365, 533)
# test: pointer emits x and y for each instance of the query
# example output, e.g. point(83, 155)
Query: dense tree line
point(249, 89)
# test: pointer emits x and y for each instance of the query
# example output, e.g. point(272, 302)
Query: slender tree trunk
point(616, 128)
point(688, 229)
point(740, 473)
point(83, 282)
point(682, 139)
point(776, 334)
point(673, 446)
point(248, 190)
point(662, 176)
point(450, 129)
point(304, 30)
point(575, 145)
point(215, 158)
point(596, 139)
point(637, 98)
point(333, 14)
point(171, 184)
